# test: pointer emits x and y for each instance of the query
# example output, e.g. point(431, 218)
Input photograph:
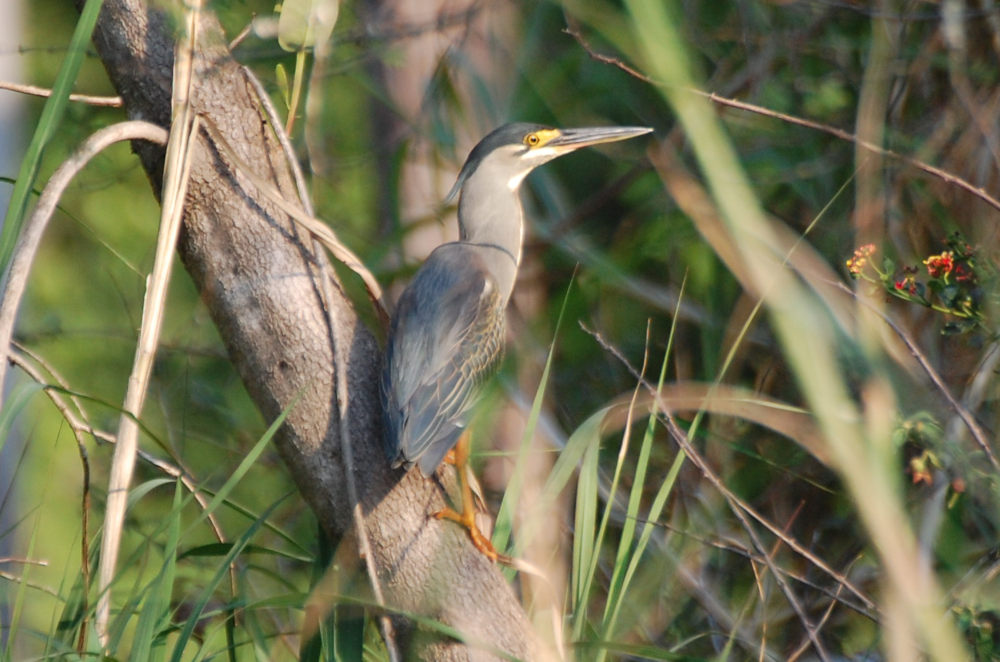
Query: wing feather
point(445, 339)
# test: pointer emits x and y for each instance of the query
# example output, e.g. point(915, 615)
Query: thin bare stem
point(16, 579)
point(89, 99)
point(180, 146)
point(800, 577)
point(741, 509)
point(943, 175)
point(982, 440)
point(664, 405)
point(286, 146)
point(80, 426)
point(347, 451)
point(80, 421)
point(847, 136)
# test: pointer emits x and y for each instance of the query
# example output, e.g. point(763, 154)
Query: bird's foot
point(480, 541)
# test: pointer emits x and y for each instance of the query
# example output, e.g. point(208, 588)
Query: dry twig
point(180, 146)
point(941, 174)
point(89, 99)
point(982, 440)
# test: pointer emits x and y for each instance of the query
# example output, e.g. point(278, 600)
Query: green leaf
point(584, 543)
point(223, 548)
point(949, 295)
point(281, 78)
point(305, 23)
point(958, 327)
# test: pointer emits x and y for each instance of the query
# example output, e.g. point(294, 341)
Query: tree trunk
point(259, 276)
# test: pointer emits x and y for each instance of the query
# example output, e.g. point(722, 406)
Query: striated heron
point(447, 333)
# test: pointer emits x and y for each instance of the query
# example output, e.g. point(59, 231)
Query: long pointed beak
point(576, 138)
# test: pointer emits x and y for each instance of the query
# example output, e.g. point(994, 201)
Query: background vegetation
point(847, 535)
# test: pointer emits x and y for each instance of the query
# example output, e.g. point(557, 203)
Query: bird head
point(513, 150)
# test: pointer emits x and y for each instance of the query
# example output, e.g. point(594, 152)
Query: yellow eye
point(532, 140)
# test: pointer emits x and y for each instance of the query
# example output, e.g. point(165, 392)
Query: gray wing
point(445, 338)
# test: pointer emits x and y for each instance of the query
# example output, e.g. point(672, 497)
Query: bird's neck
point(490, 213)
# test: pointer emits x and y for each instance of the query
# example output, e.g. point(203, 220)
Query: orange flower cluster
point(939, 266)
point(860, 259)
point(950, 285)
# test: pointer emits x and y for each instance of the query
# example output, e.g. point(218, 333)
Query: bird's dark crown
point(515, 133)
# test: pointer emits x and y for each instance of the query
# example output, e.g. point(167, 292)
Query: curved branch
point(34, 228)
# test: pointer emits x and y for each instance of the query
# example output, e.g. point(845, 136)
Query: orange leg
point(467, 518)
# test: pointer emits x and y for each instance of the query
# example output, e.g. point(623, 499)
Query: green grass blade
point(505, 517)
point(18, 608)
point(52, 114)
point(589, 572)
point(305, 555)
point(162, 585)
point(566, 464)
point(239, 545)
point(241, 471)
point(641, 651)
point(222, 548)
point(208, 591)
point(70, 617)
point(142, 489)
point(141, 590)
point(584, 549)
point(627, 559)
point(156, 610)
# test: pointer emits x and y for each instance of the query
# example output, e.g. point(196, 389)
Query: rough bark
point(258, 276)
